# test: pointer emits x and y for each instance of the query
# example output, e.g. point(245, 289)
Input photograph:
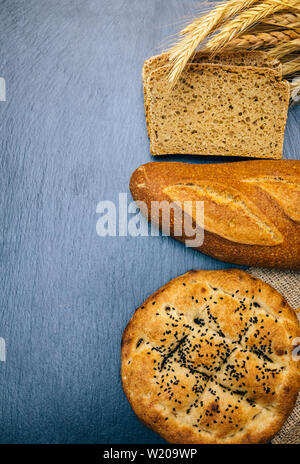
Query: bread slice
point(238, 58)
point(218, 110)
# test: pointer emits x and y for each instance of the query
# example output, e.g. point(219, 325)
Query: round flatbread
point(211, 358)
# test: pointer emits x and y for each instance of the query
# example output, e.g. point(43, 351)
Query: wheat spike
point(286, 19)
point(295, 90)
point(291, 67)
point(284, 49)
point(263, 39)
point(295, 84)
point(220, 13)
point(194, 34)
point(246, 19)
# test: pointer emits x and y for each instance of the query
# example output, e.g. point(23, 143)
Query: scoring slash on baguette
point(208, 359)
point(251, 208)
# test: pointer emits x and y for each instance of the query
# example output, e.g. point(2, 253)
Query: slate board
point(72, 132)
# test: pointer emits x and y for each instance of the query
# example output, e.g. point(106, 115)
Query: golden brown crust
point(207, 359)
point(259, 198)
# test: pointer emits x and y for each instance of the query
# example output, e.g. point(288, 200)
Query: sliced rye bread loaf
point(218, 110)
point(238, 58)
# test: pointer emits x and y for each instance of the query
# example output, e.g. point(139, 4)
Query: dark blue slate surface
point(72, 131)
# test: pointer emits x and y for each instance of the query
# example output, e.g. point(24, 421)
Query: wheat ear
point(246, 19)
point(181, 52)
point(287, 19)
point(284, 49)
point(291, 67)
point(263, 39)
point(295, 90)
point(219, 14)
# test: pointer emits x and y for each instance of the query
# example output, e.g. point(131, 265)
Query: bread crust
point(164, 351)
point(269, 192)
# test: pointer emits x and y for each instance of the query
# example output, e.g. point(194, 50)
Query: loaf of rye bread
point(237, 58)
point(218, 110)
point(251, 208)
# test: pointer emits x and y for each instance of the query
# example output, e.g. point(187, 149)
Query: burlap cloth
point(288, 284)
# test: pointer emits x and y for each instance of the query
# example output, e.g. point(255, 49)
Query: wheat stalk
point(291, 67)
point(194, 34)
point(263, 39)
point(286, 19)
point(246, 19)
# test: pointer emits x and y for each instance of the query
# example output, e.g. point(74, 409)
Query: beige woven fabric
point(288, 284)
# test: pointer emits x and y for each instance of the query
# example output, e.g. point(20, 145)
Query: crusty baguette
point(238, 58)
point(218, 110)
point(208, 359)
point(251, 208)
